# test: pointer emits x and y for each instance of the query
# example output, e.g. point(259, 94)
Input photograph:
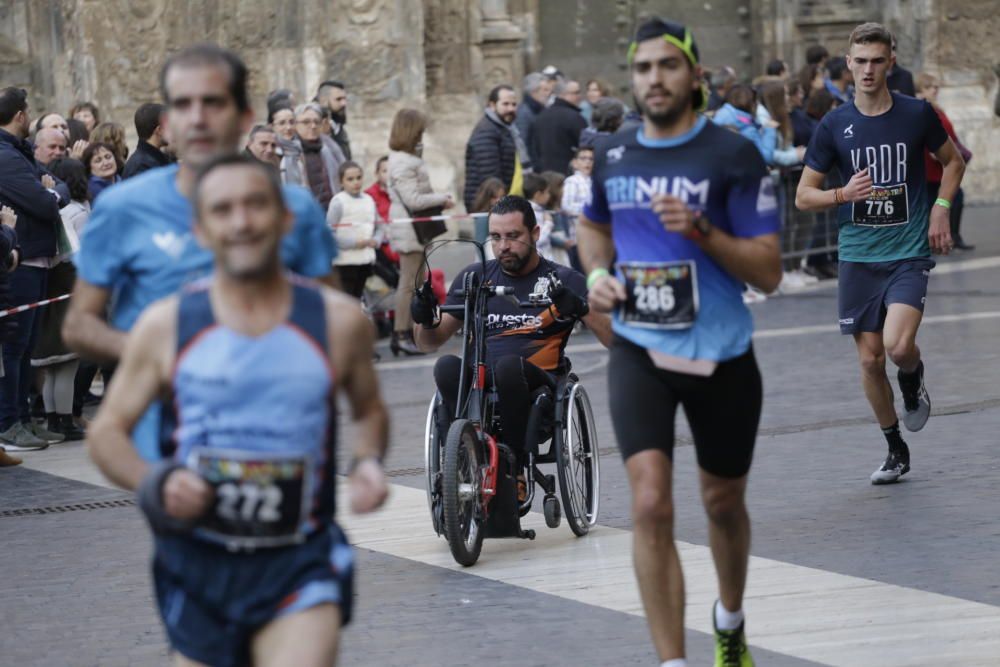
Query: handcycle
point(471, 475)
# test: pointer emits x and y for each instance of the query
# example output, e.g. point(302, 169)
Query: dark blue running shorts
point(866, 289)
point(213, 600)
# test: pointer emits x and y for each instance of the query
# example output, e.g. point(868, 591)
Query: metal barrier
point(805, 234)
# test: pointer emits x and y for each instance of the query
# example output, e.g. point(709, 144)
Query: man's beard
point(339, 117)
point(508, 118)
point(667, 117)
point(515, 263)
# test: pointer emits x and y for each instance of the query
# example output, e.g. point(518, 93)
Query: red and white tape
point(29, 306)
point(429, 218)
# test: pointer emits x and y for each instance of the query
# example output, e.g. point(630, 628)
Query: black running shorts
point(723, 410)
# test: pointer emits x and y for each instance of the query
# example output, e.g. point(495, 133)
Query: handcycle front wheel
point(578, 462)
point(461, 486)
point(433, 456)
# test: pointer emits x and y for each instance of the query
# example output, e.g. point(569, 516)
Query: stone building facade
point(444, 55)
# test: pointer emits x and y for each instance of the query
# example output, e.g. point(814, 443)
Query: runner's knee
point(652, 509)
point(901, 351)
point(872, 362)
point(723, 502)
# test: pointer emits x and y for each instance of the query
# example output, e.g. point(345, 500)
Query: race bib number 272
point(259, 500)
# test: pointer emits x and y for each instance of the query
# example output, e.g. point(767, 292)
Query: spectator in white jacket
point(412, 196)
point(352, 216)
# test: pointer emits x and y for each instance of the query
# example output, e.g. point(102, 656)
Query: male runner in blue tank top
point(249, 566)
point(887, 233)
point(688, 209)
point(138, 245)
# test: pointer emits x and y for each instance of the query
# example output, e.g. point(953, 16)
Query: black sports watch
point(700, 228)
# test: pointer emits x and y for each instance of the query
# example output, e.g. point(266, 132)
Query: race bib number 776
point(884, 207)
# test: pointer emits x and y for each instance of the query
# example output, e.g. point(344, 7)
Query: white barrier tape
point(429, 218)
point(29, 306)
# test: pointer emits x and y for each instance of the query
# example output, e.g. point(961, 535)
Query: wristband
point(150, 500)
point(596, 275)
point(942, 202)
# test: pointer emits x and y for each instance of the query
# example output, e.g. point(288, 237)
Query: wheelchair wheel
point(433, 457)
point(461, 486)
point(578, 462)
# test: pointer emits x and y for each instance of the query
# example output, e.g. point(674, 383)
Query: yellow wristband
point(942, 202)
point(596, 275)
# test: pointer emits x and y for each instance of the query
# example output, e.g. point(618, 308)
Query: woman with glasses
point(292, 167)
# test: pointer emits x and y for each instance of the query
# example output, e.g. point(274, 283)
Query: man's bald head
point(55, 121)
point(50, 145)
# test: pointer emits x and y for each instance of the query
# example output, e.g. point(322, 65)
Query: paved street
point(843, 573)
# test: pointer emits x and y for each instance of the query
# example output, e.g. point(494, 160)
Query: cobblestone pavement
point(75, 587)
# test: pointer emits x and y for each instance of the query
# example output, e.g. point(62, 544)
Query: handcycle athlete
point(524, 343)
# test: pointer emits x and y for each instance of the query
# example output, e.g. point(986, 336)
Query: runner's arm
point(594, 245)
point(600, 324)
point(954, 169)
point(755, 260)
point(85, 329)
point(140, 377)
point(596, 249)
point(429, 340)
point(810, 195)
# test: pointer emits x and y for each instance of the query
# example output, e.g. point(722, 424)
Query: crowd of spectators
point(536, 139)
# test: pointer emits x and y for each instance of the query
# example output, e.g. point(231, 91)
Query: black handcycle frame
point(484, 502)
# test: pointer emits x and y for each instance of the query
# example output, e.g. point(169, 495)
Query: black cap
point(674, 33)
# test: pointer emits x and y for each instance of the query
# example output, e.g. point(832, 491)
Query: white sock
point(676, 662)
point(725, 619)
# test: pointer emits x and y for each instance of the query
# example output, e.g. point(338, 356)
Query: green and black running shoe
point(731, 647)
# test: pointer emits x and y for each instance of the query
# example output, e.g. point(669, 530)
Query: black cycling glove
point(568, 303)
point(424, 308)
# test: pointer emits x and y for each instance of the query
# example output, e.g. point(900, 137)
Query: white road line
point(427, 362)
point(804, 612)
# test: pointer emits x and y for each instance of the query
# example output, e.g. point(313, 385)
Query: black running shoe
point(897, 464)
point(916, 402)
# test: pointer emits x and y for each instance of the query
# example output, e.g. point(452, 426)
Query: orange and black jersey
point(531, 333)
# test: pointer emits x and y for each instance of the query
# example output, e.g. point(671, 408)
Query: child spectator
point(352, 215)
point(489, 193)
point(536, 191)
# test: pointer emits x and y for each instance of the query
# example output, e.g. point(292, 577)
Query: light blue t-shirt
point(139, 245)
point(715, 171)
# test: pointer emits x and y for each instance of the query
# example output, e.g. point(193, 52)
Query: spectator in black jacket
point(8, 260)
point(492, 148)
point(148, 152)
point(557, 129)
point(28, 191)
point(899, 79)
point(333, 96)
point(535, 91)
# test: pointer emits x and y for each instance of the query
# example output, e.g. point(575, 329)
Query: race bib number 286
point(659, 295)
